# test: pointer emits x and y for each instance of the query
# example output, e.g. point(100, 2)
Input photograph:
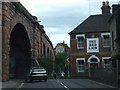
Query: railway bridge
point(23, 39)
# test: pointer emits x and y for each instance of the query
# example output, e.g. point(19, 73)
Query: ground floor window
point(107, 62)
point(80, 64)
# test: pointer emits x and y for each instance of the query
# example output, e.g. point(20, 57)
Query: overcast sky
point(59, 17)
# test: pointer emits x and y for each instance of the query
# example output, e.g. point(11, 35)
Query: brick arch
point(28, 25)
point(93, 56)
point(20, 54)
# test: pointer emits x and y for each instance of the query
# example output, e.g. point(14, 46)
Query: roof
point(62, 44)
point(94, 23)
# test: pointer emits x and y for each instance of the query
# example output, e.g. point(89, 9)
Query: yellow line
point(102, 84)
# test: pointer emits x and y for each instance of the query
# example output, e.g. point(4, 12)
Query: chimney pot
point(103, 3)
point(105, 8)
point(107, 3)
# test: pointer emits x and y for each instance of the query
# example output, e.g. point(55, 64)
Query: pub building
point(90, 43)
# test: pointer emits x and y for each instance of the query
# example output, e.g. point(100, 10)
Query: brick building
point(90, 43)
point(62, 47)
point(114, 29)
point(22, 40)
point(115, 35)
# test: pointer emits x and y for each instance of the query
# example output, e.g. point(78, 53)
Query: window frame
point(103, 59)
point(102, 35)
point(80, 59)
point(80, 35)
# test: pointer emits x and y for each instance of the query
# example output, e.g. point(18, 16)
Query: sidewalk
point(13, 83)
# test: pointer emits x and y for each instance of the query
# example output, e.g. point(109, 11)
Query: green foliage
point(117, 56)
point(19, 7)
point(47, 63)
point(60, 60)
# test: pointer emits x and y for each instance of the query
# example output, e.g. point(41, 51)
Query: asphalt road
point(65, 84)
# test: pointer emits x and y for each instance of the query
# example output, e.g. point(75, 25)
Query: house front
point(90, 44)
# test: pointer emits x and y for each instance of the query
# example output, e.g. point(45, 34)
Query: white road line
point(63, 85)
point(20, 86)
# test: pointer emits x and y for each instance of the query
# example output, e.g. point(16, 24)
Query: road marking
point(20, 86)
point(101, 83)
point(63, 85)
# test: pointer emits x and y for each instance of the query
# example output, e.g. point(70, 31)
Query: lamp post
point(68, 65)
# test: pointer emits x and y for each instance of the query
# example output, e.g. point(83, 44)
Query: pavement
point(13, 83)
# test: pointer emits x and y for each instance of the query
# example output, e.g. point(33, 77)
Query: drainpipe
point(0, 44)
point(117, 24)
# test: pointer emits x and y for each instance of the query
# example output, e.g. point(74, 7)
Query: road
point(64, 84)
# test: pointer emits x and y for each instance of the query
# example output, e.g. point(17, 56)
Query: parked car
point(36, 73)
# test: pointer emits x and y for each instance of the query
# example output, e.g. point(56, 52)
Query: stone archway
point(93, 61)
point(20, 54)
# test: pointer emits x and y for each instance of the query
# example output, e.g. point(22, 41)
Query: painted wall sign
point(92, 45)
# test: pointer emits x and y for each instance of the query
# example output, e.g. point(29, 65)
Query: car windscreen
point(38, 70)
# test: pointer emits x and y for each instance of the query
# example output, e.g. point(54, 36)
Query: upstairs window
point(106, 39)
point(80, 41)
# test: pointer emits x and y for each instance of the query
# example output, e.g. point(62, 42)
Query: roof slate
point(94, 23)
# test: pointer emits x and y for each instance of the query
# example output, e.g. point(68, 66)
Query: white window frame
point(103, 34)
point(96, 50)
point(104, 61)
point(80, 35)
point(79, 59)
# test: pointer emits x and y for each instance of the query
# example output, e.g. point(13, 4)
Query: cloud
point(60, 30)
point(59, 17)
point(57, 38)
point(58, 35)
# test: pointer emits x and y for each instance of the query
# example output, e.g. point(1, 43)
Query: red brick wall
point(9, 20)
point(73, 45)
point(75, 53)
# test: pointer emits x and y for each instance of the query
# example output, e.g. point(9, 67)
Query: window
point(107, 63)
point(59, 50)
point(106, 39)
point(80, 64)
point(80, 41)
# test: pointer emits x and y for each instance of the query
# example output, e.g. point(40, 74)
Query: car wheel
point(45, 80)
point(28, 80)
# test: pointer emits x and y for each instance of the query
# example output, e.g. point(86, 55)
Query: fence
point(108, 75)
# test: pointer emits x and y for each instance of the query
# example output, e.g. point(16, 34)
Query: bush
point(47, 63)
point(60, 60)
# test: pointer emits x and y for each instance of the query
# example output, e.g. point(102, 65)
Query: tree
point(47, 63)
point(60, 60)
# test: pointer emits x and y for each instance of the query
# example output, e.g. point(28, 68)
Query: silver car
point(36, 73)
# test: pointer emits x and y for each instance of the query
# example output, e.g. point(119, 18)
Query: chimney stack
point(105, 7)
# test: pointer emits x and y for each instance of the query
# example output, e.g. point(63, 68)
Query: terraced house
point(90, 43)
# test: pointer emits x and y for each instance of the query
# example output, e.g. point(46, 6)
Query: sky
point(59, 17)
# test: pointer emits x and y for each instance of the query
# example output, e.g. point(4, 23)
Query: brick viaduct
point(23, 38)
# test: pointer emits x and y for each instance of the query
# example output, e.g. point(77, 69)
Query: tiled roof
point(94, 23)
